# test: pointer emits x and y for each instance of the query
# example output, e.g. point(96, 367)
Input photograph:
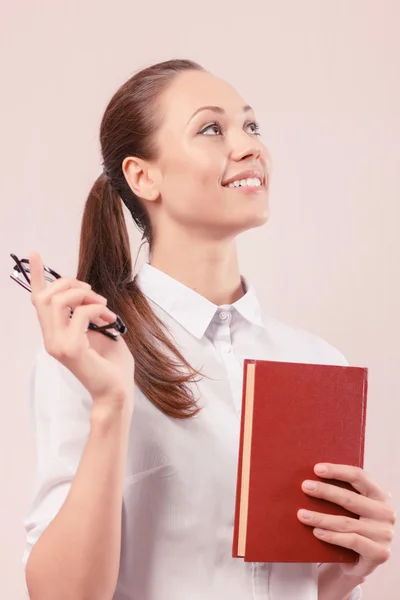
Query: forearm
point(77, 556)
point(333, 584)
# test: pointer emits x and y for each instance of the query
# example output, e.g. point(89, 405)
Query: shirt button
point(223, 315)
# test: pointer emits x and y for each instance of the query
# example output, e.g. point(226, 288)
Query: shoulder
point(301, 345)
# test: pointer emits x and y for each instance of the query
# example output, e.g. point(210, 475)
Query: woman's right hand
point(104, 366)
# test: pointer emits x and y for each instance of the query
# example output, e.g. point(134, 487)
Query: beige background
point(324, 80)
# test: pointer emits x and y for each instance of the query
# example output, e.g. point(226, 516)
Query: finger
point(42, 299)
point(61, 285)
point(90, 313)
point(355, 503)
point(367, 548)
point(36, 276)
point(359, 479)
point(73, 298)
point(374, 530)
point(54, 313)
point(38, 281)
point(99, 321)
point(67, 344)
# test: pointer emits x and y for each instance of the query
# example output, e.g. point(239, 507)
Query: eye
point(255, 127)
point(212, 129)
point(216, 129)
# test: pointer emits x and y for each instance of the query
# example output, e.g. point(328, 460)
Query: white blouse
point(180, 480)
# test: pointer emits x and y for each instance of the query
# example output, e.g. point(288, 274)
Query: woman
point(135, 482)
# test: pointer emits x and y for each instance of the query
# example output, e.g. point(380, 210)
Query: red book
point(294, 416)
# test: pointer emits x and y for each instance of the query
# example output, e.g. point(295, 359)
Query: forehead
point(190, 90)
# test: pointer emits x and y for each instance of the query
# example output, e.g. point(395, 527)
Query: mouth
point(248, 180)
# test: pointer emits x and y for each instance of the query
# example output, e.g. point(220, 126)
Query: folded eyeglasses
point(21, 274)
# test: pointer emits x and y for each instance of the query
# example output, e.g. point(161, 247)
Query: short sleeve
point(59, 409)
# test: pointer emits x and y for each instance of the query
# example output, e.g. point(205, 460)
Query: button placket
point(260, 576)
point(223, 333)
point(223, 343)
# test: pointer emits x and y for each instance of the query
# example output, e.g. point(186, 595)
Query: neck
point(209, 268)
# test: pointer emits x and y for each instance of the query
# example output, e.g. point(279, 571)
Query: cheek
point(195, 170)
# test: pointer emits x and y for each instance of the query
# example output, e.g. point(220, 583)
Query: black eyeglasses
point(20, 274)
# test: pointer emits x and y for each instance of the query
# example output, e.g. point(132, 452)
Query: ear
point(142, 178)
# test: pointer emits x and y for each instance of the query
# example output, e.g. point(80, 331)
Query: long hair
point(127, 129)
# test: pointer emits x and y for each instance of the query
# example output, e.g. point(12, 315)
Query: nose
point(246, 146)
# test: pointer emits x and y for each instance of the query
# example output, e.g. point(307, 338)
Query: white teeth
point(250, 182)
point(254, 181)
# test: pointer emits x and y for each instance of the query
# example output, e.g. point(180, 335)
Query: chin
point(256, 219)
point(249, 224)
point(239, 224)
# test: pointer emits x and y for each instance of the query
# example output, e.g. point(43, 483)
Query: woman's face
point(213, 167)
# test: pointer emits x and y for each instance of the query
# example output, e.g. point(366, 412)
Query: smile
point(249, 182)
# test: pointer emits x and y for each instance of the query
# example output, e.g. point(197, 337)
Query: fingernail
point(310, 485)
point(319, 532)
point(305, 514)
point(321, 469)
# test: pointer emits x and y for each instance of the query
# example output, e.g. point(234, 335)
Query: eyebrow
point(217, 109)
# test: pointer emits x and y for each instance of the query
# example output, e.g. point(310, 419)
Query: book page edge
point(247, 436)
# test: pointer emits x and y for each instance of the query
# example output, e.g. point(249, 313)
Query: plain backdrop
point(323, 77)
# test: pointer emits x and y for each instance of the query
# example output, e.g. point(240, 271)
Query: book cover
point(294, 416)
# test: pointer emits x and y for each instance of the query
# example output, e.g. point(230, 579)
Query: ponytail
point(105, 262)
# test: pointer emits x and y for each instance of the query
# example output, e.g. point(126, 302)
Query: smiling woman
point(137, 441)
point(172, 173)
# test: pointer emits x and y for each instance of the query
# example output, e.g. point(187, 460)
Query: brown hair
point(127, 129)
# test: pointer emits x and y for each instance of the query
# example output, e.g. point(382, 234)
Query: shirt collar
point(187, 307)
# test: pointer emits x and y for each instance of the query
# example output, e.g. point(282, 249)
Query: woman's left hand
point(371, 535)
